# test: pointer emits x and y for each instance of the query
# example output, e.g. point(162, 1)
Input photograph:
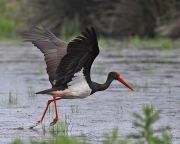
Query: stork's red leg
point(55, 106)
point(48, 103)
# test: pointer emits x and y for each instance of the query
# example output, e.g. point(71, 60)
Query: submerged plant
point(74, 109)
point(61, 128)
point(31, 92)
point(13, 98)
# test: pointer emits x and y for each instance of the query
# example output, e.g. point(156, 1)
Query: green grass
point(57, 140)
point(70, 28)
point(163, 43)
point(8, 19)
point(7, 27)
point(145, 133)
point(159, 43)
point(136, 41)
point(103, 42)
point(113, 138)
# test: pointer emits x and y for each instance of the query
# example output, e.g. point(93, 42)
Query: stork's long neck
point(107, 83)
point(101, 87)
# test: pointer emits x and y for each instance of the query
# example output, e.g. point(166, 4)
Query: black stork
point(69, 65)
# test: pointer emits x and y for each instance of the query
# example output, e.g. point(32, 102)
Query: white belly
point(80, 90)
point(77, 88)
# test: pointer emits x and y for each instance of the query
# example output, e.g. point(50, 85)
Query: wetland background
point(139, 39)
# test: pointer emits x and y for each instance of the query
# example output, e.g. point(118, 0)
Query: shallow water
point(153, 73)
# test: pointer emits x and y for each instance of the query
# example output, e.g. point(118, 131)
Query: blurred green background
point(114, 19)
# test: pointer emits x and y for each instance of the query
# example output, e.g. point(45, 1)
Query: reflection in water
point(153, 73)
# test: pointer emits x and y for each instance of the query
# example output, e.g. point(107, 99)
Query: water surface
point(154, 73)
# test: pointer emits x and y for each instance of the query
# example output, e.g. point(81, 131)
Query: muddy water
point(155, 75)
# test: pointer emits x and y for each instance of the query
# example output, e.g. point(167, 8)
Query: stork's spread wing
point(52, 48)
point(81, 53)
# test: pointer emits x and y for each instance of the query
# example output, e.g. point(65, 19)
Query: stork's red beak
point(120, 79)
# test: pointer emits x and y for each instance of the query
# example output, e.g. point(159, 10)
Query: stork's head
point(118, 77)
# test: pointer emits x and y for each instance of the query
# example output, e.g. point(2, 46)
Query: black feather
point(81, 53)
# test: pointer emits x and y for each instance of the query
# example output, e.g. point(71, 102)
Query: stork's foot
point(54, 122)
point(36, 124)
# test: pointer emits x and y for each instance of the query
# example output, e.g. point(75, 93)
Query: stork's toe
point(54, 122)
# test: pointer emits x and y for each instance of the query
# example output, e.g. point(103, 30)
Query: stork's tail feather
point(40, 92)
point(46, 91)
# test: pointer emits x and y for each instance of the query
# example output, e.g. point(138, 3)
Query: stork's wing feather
point(81, 53)
point(53, 48)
